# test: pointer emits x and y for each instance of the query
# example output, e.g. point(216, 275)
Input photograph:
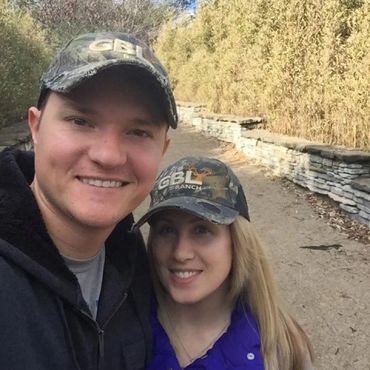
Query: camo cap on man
point(204, 187)
point(88, 54)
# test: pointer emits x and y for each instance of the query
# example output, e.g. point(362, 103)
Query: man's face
point(97, 152)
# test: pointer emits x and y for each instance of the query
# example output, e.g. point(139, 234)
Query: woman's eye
point(201, 229)
point(165, 230)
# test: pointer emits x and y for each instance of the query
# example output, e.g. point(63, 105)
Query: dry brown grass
point(302, 64)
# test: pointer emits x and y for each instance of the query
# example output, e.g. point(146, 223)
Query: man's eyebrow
point(146, 121)
point(69, 103)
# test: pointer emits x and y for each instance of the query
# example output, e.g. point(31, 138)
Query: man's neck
point(76, 242)
point(72, 238)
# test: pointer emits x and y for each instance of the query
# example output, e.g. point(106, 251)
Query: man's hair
point(127, 74)
point(89, 54)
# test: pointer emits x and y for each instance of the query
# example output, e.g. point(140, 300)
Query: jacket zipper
point(100, 330)
point(100, 345)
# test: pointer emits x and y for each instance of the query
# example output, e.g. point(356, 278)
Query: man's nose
point(108, 149)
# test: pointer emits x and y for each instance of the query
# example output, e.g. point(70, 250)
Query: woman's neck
point(194, 328)
point(200, 314)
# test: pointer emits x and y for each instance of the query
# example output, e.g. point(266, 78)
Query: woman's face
point(192, 257)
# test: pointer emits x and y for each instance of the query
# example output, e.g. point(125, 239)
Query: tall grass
point(24, 55)
point(304, 65)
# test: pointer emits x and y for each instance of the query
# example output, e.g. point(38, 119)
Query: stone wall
point(340, 173)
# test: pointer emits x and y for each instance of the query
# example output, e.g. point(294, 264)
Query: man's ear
point(166, 144)
point(34, 122)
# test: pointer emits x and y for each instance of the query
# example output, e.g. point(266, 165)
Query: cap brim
point(67, 81)
point(209, 211)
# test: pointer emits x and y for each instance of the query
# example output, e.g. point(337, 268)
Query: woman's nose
point(183, 249)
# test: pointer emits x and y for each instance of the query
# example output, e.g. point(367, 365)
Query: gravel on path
point(323, 275)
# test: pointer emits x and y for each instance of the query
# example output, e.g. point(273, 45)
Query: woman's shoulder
point(238, 348)
point(308, 365)
point(164, 356)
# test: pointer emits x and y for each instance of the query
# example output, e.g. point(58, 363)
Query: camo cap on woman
point(88, 54)
point(204, 187)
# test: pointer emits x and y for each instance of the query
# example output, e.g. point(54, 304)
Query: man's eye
point(79, 121)
point(140, 133)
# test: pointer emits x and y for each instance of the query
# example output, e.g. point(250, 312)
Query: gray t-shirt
point(89, 273)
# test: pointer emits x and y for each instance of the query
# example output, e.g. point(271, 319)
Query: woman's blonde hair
point(285, 346)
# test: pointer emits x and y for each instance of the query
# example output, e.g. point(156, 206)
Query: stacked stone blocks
point(340, 173)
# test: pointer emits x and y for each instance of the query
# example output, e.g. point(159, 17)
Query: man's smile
point(100, 183)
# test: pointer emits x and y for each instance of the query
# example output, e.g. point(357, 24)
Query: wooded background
point(303, 65)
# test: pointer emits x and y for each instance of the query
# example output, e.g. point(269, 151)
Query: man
point(74, 283)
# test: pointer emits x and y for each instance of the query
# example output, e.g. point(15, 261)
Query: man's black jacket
point(44, 322)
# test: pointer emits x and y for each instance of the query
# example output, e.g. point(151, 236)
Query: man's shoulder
point(11, 275)
point(124, 235)
point(125, 248)
point(12, 159)
point(16, 172)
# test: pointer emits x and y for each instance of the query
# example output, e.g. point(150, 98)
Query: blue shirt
point(239, 348)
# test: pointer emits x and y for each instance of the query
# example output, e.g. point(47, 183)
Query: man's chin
point(94, 222)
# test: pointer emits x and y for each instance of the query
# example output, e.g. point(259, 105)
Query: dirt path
point(329, 290)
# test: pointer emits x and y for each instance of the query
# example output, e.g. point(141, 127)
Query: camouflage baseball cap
point(88, 54)
point(204, 187)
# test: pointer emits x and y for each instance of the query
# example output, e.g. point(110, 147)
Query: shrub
point(25, 55)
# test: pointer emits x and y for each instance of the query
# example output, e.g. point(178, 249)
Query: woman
point(217, 304)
